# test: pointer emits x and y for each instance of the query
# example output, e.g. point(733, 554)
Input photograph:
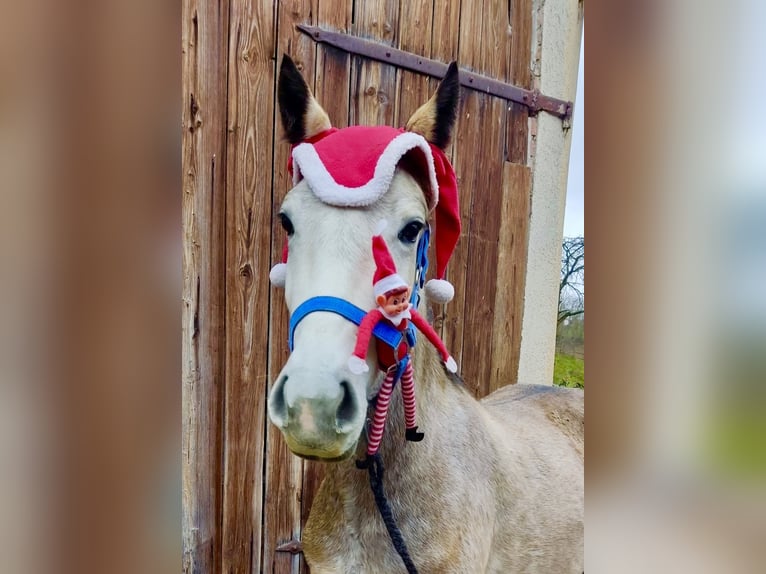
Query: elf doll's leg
point(408, 396)
point(375, 434)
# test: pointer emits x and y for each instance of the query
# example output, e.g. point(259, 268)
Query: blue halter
point(384, 331)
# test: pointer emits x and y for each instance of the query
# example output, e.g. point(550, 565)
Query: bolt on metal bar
point(532, 99)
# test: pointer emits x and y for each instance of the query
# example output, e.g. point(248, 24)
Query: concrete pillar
point(558, 29)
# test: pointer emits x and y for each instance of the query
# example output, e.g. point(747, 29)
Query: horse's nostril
point(277, 406)
point(347, 409)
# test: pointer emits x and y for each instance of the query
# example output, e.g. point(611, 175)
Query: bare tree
point(572, 285)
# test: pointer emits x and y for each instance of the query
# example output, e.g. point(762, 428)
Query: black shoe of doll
point(413, 435)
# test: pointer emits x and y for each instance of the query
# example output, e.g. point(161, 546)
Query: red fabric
point(384, 263)
point(386, 356)
point(447, 230)
point(365, 332)
point(313, 139)
point(351, 154)
point(284, 252)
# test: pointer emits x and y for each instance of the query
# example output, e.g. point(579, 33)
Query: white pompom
point(357, 365)
point(451, 365)
point(380, 227)
point(439, 291)
point(278, 274)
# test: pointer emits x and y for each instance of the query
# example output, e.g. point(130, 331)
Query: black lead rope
point(376, 483)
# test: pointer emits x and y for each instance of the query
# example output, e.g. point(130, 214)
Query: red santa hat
point(354, 167)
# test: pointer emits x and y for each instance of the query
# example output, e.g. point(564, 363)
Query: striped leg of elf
point(408, 396)
point(381, 409)
point(375, 434)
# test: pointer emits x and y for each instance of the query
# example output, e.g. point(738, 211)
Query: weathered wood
point(519, 70)
point(284, 471)
point(511, 273)
point(467, 162)
point(248, 246)
point(373, 85)
point(204, 39)
point(412, 90)
point(483, 249)
point(333, 66)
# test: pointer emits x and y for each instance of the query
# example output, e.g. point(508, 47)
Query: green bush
point(569, 371)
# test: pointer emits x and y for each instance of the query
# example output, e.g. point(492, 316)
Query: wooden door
point(244, 492)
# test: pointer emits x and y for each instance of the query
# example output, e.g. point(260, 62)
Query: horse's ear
point(302, 116)
point(435, 119)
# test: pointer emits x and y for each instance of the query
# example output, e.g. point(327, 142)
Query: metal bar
point(532, 99)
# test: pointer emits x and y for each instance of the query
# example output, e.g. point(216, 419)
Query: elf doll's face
point(394, 303)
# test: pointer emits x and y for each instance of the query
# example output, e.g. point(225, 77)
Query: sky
point(574, 216)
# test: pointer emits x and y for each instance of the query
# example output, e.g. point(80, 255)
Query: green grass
point(569, 371)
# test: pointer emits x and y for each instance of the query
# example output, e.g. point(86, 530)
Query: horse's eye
point(286, 224)
point(409, 232)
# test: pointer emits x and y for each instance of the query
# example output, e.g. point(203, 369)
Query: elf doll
point(392, 294)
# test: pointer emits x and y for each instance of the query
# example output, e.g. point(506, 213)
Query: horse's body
point(497, 484)
point(495, 487)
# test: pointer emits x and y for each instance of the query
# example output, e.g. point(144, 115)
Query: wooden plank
point(333, 66)
point(313, 475)
point(204, 61)
point(520, 63)
point(373, 85)
point(511, 275)
point(284, 470)
point(248, 240)
point(483, 250)
point(519, 72)
point(517, 134)
point(445, 32)
point(465, 161)
point(466, 141)
point(413, 90)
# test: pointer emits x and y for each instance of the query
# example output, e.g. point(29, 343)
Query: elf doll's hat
point(386, 278)
point(354, 167)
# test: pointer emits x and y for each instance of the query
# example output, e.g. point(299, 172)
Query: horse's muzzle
point(324, 423)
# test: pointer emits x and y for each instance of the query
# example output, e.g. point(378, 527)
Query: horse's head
point(317, 403)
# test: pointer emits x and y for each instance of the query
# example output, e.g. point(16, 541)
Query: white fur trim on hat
point(439, 291)
point(388, 283)
point(307, 164)
point(278, 274)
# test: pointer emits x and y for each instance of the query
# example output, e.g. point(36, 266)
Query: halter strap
point(383, 330)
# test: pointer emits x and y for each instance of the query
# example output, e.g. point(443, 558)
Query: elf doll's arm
point(357, 363)
point(425, 328)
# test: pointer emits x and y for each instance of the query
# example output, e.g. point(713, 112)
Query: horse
point(496, 486)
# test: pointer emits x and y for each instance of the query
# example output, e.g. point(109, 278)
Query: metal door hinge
point(532, 99)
